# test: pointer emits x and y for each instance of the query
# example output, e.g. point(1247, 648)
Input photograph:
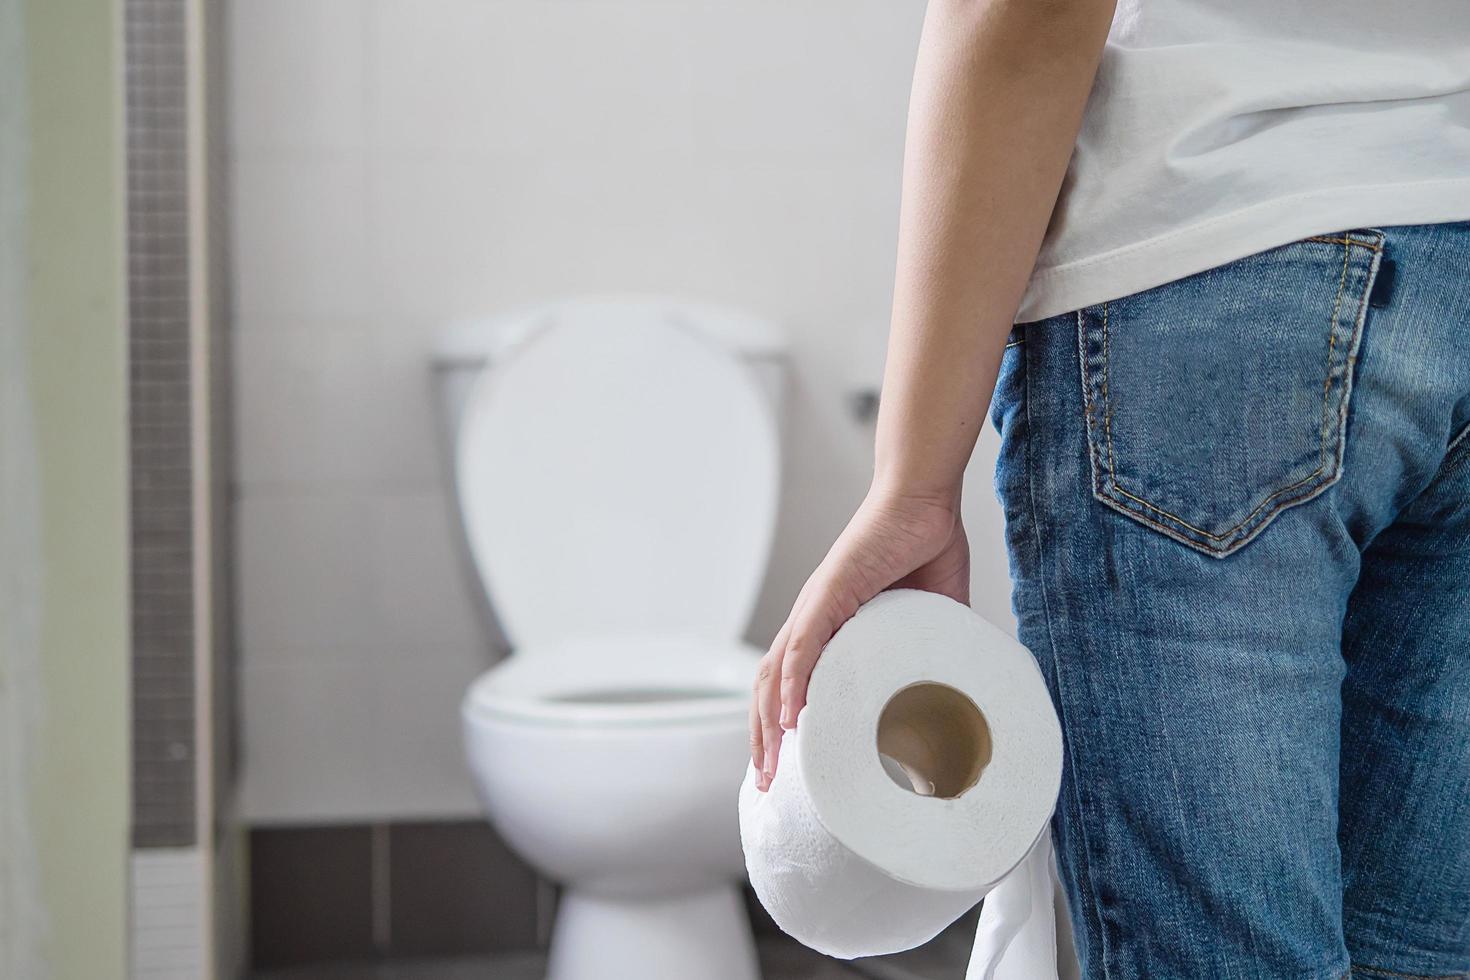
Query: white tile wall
point(169, 905)
point(401, 162)
point(537, 79)
point(419, 759)
point(299, 73)
point(422, 575)
point(311, 394)
point(457, 231)
point(802, 80)
point(312, 731)
point(301, 245)
point(308, 582)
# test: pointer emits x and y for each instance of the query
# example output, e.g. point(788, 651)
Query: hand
point(893, 541)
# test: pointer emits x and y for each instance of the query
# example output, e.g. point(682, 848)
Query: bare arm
point(997, 100)
point(998, 93)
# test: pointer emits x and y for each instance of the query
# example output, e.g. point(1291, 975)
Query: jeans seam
point(1378, 971)
point(1274, 502)
point(1341, 240)
point(1085, 858)
point(1454, 445)
point(1321, 451)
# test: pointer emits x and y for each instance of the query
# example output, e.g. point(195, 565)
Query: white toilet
point(616, 462)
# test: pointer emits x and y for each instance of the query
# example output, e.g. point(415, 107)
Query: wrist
point(889, 489)
point(915, 459)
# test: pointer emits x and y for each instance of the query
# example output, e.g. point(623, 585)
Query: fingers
point(811, 627)
point(768, 706)
point(757, 743)
point(887, 540)
point(759, 737)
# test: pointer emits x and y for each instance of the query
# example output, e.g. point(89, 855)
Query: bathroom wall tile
point(309, 732)
point(776, 102)
point(301, 235)
point(298, 73)
point(417, 747)
point(310, 404)
point(539, 79)
point(394, 897)
point(365, 591)
point(506, 232)
point(410, 436)
point(311, 895)
point(368, 737)
point(340, 402)
point(445, 242)
point(831, 268)
point(163, 510)
point(307, 580)
point(456, 889)
point(427, 591)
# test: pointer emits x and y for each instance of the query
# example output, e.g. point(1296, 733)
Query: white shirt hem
point(1196, 248)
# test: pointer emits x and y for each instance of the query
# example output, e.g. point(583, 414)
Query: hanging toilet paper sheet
point(920, 778)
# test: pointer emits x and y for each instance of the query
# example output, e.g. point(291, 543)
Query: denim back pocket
point(1215, 402)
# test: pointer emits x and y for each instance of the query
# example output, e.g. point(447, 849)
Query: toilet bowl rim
point(529, 686)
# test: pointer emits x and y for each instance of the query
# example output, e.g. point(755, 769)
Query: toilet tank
point(469, 346)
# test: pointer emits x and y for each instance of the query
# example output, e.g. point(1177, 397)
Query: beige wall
point(64, 450)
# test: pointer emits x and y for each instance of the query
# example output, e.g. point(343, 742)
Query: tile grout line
point(382, 889)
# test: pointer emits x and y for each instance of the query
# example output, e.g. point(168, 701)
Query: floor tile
point(781, 959)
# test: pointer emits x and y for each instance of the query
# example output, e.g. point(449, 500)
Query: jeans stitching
point(1108, 405)
point(1084, 860)
point(1256, 516)
point(1378, 971)
point(1321, 452)
point(1086, 383)
point(1370, 246)
point(1283, 503)
point(1088, 411)
point(1455, 443)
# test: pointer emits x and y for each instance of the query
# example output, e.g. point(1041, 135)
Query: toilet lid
point(618, 474)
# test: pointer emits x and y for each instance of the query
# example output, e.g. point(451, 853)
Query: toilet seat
point(624, 681)
point(617, 475)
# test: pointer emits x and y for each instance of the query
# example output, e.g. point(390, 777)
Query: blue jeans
point(1238, 517)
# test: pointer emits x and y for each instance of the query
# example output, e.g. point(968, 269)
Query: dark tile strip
point(160, 397)
point(400, 891)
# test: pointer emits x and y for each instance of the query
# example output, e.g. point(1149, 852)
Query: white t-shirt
point(1220, 128)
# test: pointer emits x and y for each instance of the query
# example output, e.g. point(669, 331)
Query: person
point(1209, 265)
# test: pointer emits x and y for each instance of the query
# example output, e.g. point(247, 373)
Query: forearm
point(998, 93)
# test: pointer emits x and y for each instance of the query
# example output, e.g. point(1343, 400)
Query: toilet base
point(704, 934)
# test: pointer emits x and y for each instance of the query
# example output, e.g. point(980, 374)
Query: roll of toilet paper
point(921, 772)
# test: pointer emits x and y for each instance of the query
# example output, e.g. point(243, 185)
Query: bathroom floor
point(781, 959)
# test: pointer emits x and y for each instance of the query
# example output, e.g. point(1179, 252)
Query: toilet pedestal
point(704, 934)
